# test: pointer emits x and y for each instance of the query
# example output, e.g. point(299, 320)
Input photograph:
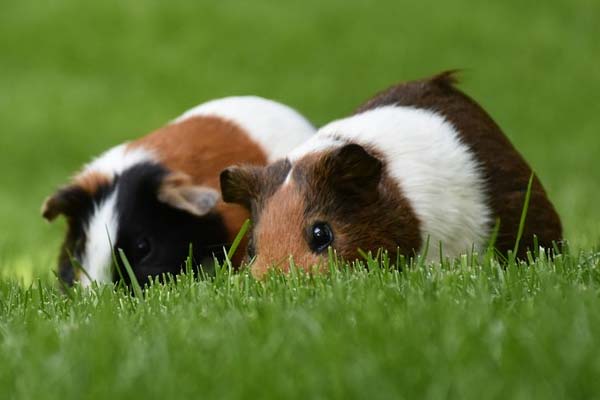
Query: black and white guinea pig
point(418, 163)
point(156, 195)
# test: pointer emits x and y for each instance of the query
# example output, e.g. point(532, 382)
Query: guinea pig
point(419, 163)
point(155, 196)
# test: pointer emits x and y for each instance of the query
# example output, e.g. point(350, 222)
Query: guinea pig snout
point(264, 263)
point(279, 237)
point(260, 268)
point(307, 262)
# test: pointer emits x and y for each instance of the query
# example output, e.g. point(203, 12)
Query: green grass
point(462, 331)
point(77, 78)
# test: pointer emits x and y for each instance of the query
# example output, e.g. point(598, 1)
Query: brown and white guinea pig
point(420, 162)
point(156, 195)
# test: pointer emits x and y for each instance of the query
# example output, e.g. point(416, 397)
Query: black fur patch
point(167, 231)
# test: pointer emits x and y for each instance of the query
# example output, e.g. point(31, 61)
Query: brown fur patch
point(189, 146)
point(506, 172)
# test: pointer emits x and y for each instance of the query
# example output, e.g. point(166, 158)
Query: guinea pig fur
point(156, 195)
point(419, 163)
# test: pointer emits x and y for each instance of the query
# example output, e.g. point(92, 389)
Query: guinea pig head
point(340, 198)
point(149, 212)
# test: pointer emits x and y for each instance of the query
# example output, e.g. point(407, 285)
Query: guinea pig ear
point(178, 191)
point(353, 170)
point(240, 185)
point(67, 201)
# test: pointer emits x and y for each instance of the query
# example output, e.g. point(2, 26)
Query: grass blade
point(114, 258)
point(137, 289)
point(77, 265)
point(523, 215)
point(238, 239)
point(65, 288)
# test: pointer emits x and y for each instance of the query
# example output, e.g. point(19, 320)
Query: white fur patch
point(116, 160)
point(316, 144)
point(436, 171)
point(276, 127)
point(100, 232)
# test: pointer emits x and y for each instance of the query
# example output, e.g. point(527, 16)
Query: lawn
point(79, 77)
point(466, 331)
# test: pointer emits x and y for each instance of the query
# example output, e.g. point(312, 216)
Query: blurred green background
point(79, 77)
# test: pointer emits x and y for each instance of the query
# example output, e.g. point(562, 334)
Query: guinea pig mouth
point(309, 264)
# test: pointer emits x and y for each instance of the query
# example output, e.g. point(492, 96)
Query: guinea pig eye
point(142, 248)
point(321, 236)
